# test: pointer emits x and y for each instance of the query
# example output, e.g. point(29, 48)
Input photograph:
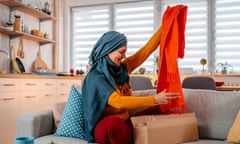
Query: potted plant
point(203, 62)
point(156, 59)
point(225, 67)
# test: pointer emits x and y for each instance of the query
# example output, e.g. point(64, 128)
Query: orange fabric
point(172, 44)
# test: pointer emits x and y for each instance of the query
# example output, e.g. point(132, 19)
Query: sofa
point(215, 112)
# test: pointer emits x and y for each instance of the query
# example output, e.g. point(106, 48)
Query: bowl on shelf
point(219, 83)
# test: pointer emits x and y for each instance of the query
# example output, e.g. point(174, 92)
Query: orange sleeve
point(141, 55)
point(130, 102)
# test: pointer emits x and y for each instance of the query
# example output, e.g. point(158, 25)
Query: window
point(196, 32)
point(227, 33)
point(212, 30)
point(135, 20)
point(88, 24)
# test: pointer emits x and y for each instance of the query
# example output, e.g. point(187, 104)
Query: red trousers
point(113, 130)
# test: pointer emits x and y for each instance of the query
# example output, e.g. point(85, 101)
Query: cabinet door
point(9, 104)
point(8, 111)
point(8, 84)
point(29, 95)
point(77, 82)
point(30, 84)
point(29, 101)
point(48, 93)
point(63, 88)
point(47, 99)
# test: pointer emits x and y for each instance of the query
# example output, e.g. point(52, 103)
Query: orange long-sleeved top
point(120, 101)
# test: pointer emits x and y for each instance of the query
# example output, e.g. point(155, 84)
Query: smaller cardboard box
point(165, 129)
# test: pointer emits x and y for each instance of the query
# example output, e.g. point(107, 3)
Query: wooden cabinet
point(63, 87)
point(20, 94)
point(47, 93)
point(9, 108)
point(29, 95)
point(62, 90)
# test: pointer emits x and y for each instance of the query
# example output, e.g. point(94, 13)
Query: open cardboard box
point(165, 129)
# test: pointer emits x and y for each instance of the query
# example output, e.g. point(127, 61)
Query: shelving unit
point(17, 5)
point(14, 34)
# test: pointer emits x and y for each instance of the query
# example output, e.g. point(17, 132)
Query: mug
point(24, 140)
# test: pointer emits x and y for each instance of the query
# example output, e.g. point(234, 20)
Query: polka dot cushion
point(72, 121)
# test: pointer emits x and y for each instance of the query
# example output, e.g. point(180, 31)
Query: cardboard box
point(165, 129)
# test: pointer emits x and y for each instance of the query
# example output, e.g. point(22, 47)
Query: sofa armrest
point(35, 124)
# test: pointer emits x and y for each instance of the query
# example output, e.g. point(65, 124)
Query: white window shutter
point(227, 32)
point(136, 21)
point(88, 24)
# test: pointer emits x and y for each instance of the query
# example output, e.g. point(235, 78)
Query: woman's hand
point(164, 97)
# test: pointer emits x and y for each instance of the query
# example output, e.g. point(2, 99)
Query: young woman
point(107, 93)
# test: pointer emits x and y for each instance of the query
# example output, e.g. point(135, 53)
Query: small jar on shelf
point(17, 23)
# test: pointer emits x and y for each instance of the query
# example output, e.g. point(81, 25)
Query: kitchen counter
point(34, 76)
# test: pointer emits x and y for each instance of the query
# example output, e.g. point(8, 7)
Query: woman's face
point(118, 55)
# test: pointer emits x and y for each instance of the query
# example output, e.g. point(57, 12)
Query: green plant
point(203, 61)
point(225, 67)
point(156, 59)
point(51, 142)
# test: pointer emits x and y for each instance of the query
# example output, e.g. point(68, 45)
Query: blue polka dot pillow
point(72, 120)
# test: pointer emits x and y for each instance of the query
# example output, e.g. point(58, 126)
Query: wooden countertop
point(34, 76)
point(228, 88)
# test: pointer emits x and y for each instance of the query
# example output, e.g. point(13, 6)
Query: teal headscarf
point(101, 80)
point(99, 59)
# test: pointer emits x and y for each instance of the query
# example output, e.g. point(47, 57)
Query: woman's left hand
point(164, 97)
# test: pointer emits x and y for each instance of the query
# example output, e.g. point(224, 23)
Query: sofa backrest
point(140, 83)
point(215, 111)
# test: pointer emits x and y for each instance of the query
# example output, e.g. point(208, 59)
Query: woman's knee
point(112, 130)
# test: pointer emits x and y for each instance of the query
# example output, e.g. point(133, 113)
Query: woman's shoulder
point(94, 75)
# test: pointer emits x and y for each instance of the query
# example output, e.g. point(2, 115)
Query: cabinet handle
point(30, 97)
point(47, 95)
point(7, 99)
point(48, 84)
point(63, 84)
point(30, 84)
point(63, 94)
point(8, 84)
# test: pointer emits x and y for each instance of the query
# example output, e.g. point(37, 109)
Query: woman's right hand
point(163, 97)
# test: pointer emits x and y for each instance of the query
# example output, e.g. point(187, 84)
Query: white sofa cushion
point(215, 111)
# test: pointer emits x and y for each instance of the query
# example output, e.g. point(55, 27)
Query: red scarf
point(172, 46)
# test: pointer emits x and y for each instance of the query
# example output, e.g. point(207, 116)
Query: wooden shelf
point(13, 4)
point(14, 34)
point(41, 16)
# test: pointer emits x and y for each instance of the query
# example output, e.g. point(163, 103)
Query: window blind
point(136, 21)
point(212, 30)
point(196, 34)
point(88, 24)
point(227, 32)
